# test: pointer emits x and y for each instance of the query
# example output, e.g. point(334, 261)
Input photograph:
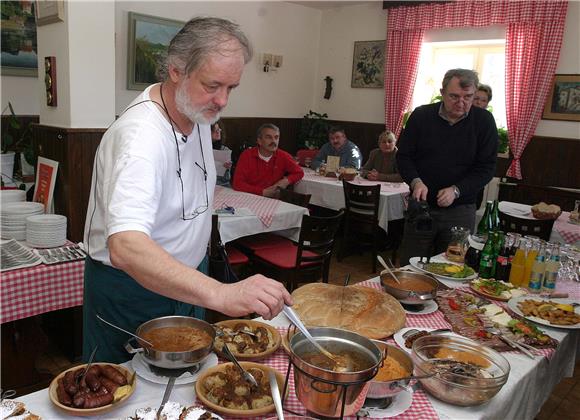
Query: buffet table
point(530, 382)
point(255, 214)
point(328, 192)
point(563, 230)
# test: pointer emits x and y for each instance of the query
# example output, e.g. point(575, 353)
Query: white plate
point(414, 263)
point(401, 403)
point(398, 336)
point(429, 307)
point(513, 305)
point(142, 368)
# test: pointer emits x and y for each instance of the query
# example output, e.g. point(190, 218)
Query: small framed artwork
point(368, 64)
point(149, 38)
point(564, 99)
point(49, 11)
point(19, 49)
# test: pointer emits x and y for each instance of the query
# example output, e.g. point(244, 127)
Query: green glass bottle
point(495, 223)
point(488, 258)
point(484, 225)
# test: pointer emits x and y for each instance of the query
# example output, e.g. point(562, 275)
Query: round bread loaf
point(360, 309)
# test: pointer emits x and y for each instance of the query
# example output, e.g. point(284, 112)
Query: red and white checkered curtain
point(535, 27)
point(401, 72)
point(532, 53)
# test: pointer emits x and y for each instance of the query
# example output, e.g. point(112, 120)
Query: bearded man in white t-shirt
point(149, 215)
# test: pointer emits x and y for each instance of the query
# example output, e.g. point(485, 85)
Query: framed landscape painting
point(368, 64)
point(19, 50)
point(564, 99)
point(149, 37)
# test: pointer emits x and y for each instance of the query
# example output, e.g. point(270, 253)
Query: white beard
point(195, 115)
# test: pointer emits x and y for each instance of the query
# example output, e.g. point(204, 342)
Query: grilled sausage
point(92, 380)
point(70, 383)
point(95, 400)
point(109, 385)
point(62, 395)
point(114, 375)
point(80, 397)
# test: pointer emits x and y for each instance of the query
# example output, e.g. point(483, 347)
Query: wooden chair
point(361, 219)
point(540, 228)
point(293, 197)
point(303, 262)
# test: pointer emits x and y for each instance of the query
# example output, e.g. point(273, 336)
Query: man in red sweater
point(263, 170)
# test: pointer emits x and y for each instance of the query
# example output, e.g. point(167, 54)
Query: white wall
point(340, 27)
point(272, 27)
point(23, 93)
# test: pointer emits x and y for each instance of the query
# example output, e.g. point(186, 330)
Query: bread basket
point(545, 211)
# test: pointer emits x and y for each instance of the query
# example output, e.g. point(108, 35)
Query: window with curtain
point(487, 57)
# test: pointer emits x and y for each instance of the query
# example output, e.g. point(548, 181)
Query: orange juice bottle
point(531, 255)
point(518, 265)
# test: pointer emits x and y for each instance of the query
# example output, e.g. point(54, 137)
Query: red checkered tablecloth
point(263, 207)
point(420, 408)
point(568, 231)
point(43, 288)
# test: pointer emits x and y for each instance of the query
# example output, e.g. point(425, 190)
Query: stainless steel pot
point(388, 389)
point(323, 391)
point(407, 296)
point(166, 359)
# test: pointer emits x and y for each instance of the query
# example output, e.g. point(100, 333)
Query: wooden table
point(328, 192)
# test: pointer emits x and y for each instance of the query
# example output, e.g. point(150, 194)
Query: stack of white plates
point(13, 218)
point(46, 231)
point(12, 196)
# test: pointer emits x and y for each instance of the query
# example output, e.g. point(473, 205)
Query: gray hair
point(486, 89)
point(198, 39)
point(264, 126)
point(466, 78)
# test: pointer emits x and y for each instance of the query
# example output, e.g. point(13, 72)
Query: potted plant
point(17, 139)
point(503, 146)
point(313, 130)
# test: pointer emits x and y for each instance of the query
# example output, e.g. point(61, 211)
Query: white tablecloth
point(327, 192)
point(286, 220)
point(529, 385)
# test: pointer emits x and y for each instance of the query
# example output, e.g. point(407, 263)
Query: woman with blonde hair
point(382, 165)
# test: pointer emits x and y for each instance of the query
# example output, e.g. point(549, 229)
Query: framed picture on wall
point(368, 64)
point(49, 11)
point(149, 37)
point(19, 51)
point(564, 99)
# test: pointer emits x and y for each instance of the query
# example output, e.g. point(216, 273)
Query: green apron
point(119, 299)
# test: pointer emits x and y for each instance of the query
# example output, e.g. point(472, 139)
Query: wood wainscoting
point(74, 149)
point(547, 161)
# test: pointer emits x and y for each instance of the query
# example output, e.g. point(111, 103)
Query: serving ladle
point(384, 264)
point(125, 331)
point(295, 319)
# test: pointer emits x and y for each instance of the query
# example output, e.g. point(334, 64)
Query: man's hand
point(257, 293)
point(283, 183)
point(420, 191)
point(445, 197)
point(373, 175)
point(227, 165)
point(271, 191)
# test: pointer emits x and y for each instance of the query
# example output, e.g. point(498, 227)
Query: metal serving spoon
point(245, 374)
point(276, 395)
point(125, 331)
point(384, 264)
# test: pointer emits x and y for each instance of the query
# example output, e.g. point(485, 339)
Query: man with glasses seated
point(447, 153)
point(149, 214)
point(265, 169)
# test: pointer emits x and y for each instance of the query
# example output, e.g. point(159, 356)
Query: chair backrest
point(362, 202)
point(540, 228)
point(317, 235)
point(293, 197)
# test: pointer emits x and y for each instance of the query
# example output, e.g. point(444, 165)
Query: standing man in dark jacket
point(447, 153)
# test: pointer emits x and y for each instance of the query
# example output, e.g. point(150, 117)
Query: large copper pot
point(323, 391)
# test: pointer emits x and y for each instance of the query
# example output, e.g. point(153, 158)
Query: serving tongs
point(245, 374)
point(524, 348)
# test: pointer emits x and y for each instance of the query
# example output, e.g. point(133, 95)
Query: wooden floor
point(563, 403)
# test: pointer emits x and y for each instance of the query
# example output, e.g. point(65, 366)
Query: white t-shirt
point(135, 186)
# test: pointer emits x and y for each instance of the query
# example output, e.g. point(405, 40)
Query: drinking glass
point(458, 245)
